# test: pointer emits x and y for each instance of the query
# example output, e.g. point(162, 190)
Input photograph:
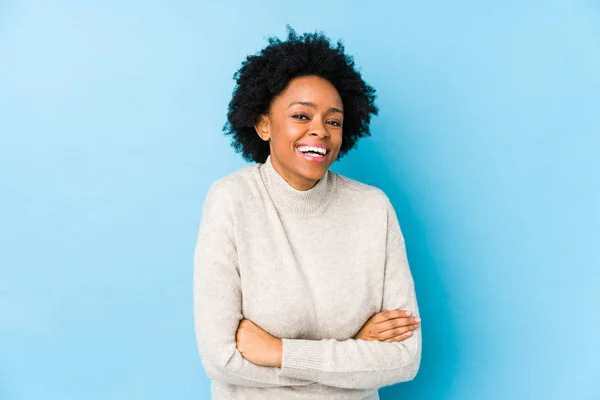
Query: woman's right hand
point(389, 326)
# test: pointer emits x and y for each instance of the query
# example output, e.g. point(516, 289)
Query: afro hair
point(266, 74)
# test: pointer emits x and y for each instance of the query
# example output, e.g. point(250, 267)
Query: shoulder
point(227, 191)
point(359, 192)
point(372, 201)
point(235, 182)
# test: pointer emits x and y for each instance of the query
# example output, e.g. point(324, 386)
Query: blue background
point(487, 143)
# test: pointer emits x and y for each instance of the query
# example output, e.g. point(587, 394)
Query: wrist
point(278, 352)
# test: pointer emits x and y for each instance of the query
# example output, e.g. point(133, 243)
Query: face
point(304, 130)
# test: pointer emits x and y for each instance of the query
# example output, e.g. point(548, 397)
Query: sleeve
point(362, 364)
point(218, 300)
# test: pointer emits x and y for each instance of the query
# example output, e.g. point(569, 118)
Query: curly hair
point(266, 74)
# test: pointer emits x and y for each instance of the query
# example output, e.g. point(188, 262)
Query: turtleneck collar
point(286, 198)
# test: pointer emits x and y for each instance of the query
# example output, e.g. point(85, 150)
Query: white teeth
point(319, 150)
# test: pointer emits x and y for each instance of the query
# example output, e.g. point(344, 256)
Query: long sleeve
point(361, 364)
point(218, 299)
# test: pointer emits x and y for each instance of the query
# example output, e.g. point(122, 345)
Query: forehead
point(314, 89)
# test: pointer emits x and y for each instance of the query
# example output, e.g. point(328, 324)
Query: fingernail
point(417, 319)
point(408, 314)
point(409, 333)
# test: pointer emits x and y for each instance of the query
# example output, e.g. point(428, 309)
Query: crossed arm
point(352, 364)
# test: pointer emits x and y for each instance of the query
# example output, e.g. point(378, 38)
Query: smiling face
point(304, 130)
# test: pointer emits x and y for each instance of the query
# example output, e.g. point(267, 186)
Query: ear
point(262, 127)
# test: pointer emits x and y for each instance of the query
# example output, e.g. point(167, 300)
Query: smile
point(313, 153)
point(313, 150)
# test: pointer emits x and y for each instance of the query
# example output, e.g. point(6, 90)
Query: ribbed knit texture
point(310, 267)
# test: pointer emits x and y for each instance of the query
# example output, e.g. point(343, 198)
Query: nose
point(318, 129)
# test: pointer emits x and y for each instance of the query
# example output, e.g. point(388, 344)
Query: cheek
point(337, 138)
point(294, 129)
point(287, 132)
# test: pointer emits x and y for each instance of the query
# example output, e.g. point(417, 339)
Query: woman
point(302, 287)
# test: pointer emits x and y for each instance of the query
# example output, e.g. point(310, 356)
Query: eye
point(335, 123)
point(300, 117)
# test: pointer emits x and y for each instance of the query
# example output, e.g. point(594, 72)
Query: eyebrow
point(313, 105)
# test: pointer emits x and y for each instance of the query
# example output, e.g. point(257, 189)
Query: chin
point(314, 177)
point(315, 174)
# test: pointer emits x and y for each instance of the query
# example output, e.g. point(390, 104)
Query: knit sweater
point(309, 267)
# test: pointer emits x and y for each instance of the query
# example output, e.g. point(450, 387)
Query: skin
point(261, 348)
point(389, 326)
point(309, 110)
point(291, 121)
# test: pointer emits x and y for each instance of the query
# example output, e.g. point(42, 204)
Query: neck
point(294, 180)
point(311, 201)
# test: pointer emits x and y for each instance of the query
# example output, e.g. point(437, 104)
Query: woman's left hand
point(257, 345)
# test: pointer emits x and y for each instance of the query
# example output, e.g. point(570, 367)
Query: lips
point(313, 148)
point(313, 152)
point(314, 144)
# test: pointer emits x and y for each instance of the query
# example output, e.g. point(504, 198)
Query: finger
point(400, 337)
point(394, 332)
point(393, 324)
point(390, 314)
point(398, 322)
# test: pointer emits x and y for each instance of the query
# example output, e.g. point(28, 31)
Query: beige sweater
point(309, 267)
